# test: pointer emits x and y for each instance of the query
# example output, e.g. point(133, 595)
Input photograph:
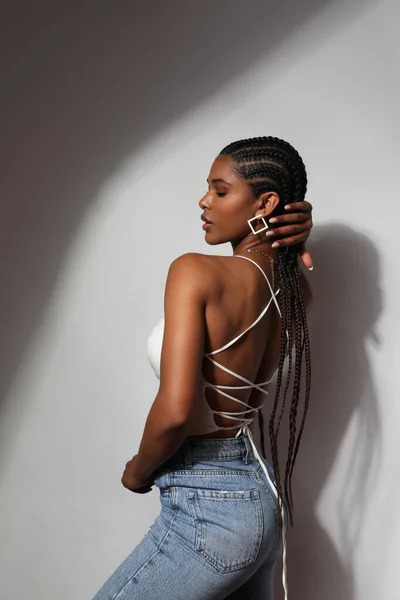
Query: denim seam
point(271, 497)
point(150, 557)
point(277, 536)
point(275, 499)
point(223, 494)
point(212, 455)
point(213, 472)
point(192, 550)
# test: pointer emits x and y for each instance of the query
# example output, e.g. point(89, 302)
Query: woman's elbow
point(176, 409)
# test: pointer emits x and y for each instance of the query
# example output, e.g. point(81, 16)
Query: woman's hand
point(133, 481)
point(294, 228)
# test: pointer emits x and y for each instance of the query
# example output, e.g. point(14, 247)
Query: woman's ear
point(267, 203)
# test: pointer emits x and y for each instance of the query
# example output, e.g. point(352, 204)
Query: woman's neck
point(263, 246)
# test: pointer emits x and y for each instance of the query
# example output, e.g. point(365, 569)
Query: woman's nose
point(205, 201)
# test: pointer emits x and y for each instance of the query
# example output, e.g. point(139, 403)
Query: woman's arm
point(181, 364)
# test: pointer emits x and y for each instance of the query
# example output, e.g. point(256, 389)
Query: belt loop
point(187, 454)
point(247, 444)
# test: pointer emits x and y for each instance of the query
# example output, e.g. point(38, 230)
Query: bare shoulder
point(195, 271)
point(194, 264)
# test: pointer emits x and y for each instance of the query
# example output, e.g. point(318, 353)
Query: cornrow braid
point(269, 164)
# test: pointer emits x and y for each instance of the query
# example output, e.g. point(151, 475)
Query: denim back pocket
point(229, 526)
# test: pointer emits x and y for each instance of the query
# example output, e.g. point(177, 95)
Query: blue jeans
point(217, 535)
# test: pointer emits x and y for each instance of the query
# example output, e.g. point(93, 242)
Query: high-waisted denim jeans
point(217, 535)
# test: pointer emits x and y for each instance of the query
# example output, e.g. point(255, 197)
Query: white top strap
point(256, 386)
point(265, 276)
point(243, 332)
point(239, 387)
point(272, 299)
point(269, 285)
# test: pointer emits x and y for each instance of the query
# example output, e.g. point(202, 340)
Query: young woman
point(228, 326)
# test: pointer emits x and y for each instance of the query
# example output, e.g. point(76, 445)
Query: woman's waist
point(216, 418)
point(199, 455)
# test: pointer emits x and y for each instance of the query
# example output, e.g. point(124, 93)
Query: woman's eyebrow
point(219, 180)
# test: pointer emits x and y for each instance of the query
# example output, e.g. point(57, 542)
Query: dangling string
point(247, 431)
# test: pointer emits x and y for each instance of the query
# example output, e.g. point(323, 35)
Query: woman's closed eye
point(219, 194)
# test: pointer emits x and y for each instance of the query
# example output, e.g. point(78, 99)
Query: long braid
point(272, 164)
point(283, 278)
point(296, 392)
point(272, 435)
point(307, 355)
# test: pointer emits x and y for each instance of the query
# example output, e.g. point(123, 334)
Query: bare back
point(237, 295)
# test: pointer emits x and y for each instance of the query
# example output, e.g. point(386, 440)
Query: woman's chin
point(209, 238)
point(212, 242)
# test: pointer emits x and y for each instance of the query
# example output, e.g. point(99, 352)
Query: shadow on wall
point(85, 85)
point(347, 303)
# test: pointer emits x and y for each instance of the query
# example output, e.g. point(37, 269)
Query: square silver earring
point(259, 230)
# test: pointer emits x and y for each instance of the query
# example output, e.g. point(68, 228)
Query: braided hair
point(271, 164)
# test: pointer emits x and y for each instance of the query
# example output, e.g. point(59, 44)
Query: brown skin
point(208, 300)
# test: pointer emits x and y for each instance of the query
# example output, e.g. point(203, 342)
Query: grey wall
point(111, 116)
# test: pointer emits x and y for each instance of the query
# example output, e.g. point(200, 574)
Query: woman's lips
point(207, 223)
